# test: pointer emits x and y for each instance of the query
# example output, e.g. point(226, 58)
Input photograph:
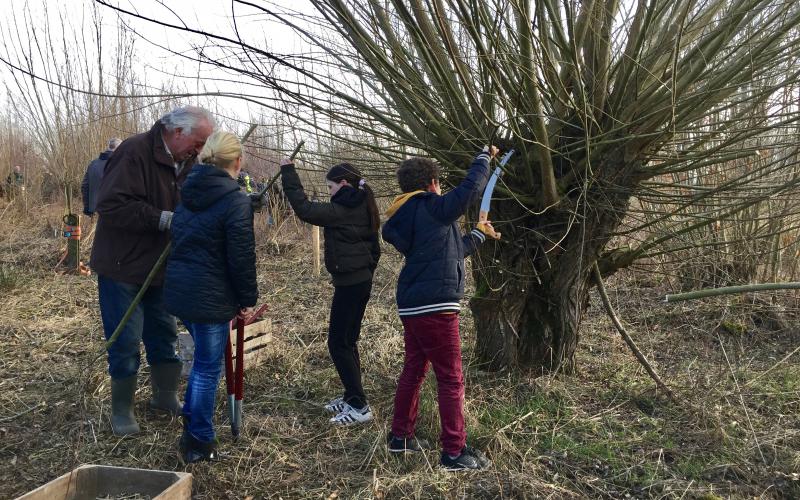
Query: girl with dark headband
point(351, 223)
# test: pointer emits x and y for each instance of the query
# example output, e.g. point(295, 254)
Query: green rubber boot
point(165, 379)
point(123, 422)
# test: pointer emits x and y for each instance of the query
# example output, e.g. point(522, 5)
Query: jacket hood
point(205, 185)
point(400, 200)
point(349, 197)
point(399, 230)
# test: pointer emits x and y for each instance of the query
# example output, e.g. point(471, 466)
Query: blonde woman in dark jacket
point(210, 278)
point(351, 223)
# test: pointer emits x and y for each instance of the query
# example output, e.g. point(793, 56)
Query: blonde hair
point(221, 149)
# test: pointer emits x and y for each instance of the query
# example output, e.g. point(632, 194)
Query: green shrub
point(10, 277)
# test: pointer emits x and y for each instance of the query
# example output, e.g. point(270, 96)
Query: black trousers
point(347, 311)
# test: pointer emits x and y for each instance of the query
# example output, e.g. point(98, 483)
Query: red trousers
point(432, 338)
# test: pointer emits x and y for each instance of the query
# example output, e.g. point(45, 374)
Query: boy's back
point(423, 227)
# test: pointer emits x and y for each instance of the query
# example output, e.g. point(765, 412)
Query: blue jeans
point(210, 340)
point(150, 324)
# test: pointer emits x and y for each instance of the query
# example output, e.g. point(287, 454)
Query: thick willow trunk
point(532, 289)
point(529, 324)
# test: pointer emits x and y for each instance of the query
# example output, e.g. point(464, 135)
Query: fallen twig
point(23, 412)
point(627, 338)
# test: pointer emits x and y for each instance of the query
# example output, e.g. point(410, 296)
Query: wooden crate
point(256, 337)
point(89, 482)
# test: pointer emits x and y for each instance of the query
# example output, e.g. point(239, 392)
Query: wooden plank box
point(90, 482)
point(256, 337)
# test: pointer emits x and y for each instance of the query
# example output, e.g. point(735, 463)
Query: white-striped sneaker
point(336, 405)
point(351, 416)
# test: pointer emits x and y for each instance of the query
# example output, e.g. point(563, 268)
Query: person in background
point(135, 204)
point(351, 222)
point(244, 181)
point(210, 279)
point(423, 226)
point(15, 182)
point(93, 176)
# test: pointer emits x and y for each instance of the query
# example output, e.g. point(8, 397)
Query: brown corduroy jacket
point(139, 183)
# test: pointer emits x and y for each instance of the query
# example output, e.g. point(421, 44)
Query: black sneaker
point(403, 445)
point(470, 458)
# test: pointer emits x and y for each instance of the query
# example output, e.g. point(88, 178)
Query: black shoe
point(191, 450)
point(470, 458)
point(402, 445)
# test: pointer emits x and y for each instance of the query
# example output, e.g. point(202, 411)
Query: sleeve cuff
point(483, 156)
point(478, 234)
point(165, 220)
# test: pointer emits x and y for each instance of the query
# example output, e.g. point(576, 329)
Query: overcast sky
point(157, 47)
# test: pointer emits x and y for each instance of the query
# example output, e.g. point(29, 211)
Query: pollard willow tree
point(598, 98)
point(611, 106)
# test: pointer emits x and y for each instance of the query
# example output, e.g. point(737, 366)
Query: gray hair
point(113, 143)
point(187, 118)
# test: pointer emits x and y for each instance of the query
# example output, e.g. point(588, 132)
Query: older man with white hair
point(137, 196)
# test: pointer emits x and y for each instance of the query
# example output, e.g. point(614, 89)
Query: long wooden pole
point(315, 248)
point(729, 290)
point(138, 298)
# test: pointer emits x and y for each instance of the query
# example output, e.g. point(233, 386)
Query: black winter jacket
point(211, 272)
point(352, 249)
point(423, 227)
point(91, 182)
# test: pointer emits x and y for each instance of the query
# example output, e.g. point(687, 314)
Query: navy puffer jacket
point(424, 227)
point(211, 272)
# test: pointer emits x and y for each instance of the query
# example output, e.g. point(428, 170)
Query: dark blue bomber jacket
point(211, 271)
point(423, 226)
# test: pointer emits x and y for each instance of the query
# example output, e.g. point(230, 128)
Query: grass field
point(604, 432)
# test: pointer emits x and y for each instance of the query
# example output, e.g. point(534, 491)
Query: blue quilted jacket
point(423, 227)
point(211, 272)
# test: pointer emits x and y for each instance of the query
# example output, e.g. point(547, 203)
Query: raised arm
point(313, 212)
point(454, 204)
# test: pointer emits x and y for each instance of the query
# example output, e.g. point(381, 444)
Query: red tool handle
point(239, 359)
point(256, 315)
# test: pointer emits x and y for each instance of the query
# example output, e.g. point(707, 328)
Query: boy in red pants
point(423, 226)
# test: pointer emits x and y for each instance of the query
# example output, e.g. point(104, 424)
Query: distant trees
point(69, 89)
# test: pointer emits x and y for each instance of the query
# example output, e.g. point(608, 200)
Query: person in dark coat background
point(94, 174)
point(351, 221)
point(210, 278)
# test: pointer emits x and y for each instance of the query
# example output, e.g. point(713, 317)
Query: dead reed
point(605, 432)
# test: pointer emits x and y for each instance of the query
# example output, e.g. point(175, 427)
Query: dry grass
point(603, 432)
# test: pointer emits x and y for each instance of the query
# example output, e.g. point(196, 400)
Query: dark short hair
point(417, 173)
